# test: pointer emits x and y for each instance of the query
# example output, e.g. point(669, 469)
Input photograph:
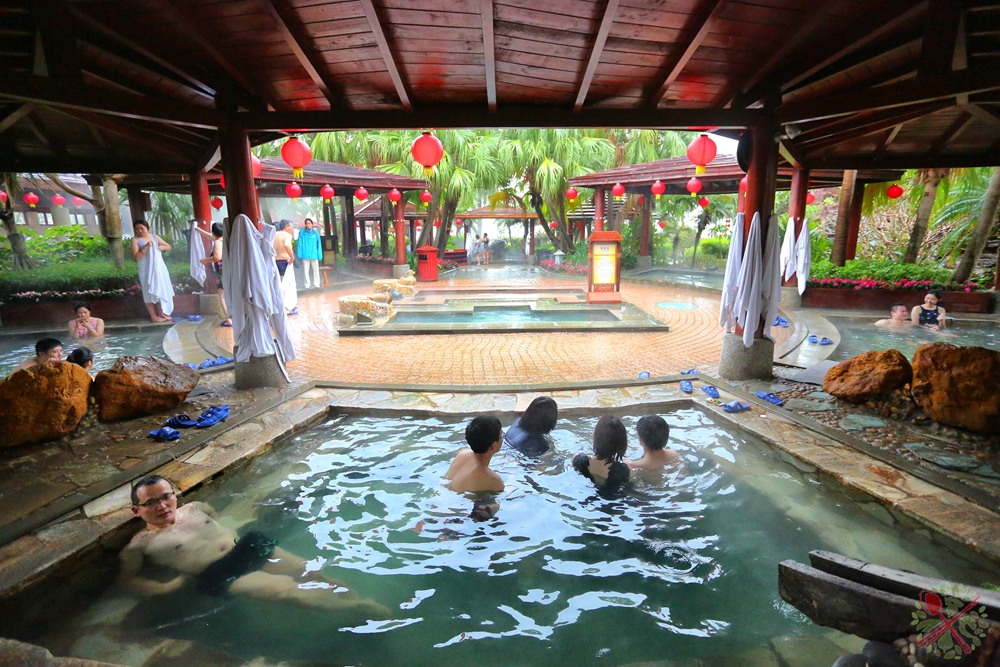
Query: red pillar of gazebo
point(797, 206)
point(644, 236)
point(241, 195)
point(599, 209)
point(203, 214)
point(400, 240)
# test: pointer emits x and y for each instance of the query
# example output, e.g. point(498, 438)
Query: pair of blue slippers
point(218, 361)
point(189, 318)
point(816, 340)
point(780, 322)
point(210, 417)
point(688, 388)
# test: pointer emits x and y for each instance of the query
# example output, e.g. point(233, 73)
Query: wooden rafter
point(941, 25)
point(596, 50)
point(489, 54)
point(697, 38)
point(829, 127)
point(864, 129)
point(56, 30)
point(985, 113)
point(791, 153)
point(383, 45)
point(37, 127)
point(296, 44)
point(990, 158)
point(129, 132)
point(92, 54)
point(890, 136)
point(96, 133)
point(952, 133)
point(17, 114)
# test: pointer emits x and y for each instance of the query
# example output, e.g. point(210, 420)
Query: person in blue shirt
point(310, 251)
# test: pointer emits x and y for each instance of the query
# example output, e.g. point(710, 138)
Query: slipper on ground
point(182, 421)
point(710, 390)
point(813, 339)
point(165, 434)
point(213, 416)
point(825, 341)
point(770, 398)
point(736, 406)
point(687, 387)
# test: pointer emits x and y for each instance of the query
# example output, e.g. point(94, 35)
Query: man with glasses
point(189, 541)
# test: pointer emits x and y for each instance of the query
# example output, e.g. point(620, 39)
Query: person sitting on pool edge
point(46, 350)
point(527, 433)
point(83, 357)
point(605, 467)
point(470, 471)
point(932, 317)
point(191, 542)
point(653, 433)
point(898, 317)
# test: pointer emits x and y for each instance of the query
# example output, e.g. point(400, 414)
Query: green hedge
point(880, 269)
point(80, 276)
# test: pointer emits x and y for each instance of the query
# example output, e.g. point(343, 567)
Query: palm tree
point(930, 179)
point(980, 233)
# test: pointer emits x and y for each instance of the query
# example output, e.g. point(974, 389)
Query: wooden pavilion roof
point(372, 210)
point(512, 213)
point(722, 175)
point(143, 88)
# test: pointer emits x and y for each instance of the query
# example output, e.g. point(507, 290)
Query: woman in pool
point(605, 467)
point(142, 250)
point(528, 432)
point(215, 261)
point(85, 326)
point(929, 315)
point(82, 357)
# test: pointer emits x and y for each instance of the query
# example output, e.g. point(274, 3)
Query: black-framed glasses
point(154, 502)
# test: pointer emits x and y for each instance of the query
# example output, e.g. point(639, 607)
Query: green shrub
point(83, 276)
point(717, 248)
point(880, 269)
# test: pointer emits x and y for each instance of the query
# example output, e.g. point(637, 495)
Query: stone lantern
point(558, 254)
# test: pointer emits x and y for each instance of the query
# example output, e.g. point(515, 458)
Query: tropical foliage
point(885, 274)
point(92, 279)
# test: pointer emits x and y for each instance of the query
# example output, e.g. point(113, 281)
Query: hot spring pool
point(707, 279)
point(114, 344)
point(859, 334)
point(682, 566)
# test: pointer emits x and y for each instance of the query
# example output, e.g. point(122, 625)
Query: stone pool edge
point(106, 522)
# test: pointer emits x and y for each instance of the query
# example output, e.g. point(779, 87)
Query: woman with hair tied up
point(528, 434)
point(605, 468)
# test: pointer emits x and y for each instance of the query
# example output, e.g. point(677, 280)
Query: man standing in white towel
point(284, 257)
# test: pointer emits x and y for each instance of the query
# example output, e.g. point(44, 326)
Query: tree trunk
point(19, 251)
point(113, 222)
point(383, 233)
point(702, 223)
point(981, 233)
point(839, 254)
point(931, 178)
point(98, 202)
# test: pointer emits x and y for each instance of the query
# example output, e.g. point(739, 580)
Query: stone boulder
point(43, 402)
point(18, 654)
point(958, 386)
point(137, 386)
point(869, 374)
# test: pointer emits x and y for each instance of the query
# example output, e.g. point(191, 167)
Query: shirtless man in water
point(470, 471)
point(190, 541)
point(899, 317)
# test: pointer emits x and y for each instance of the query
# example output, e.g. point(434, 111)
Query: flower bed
point(568, 268)
point(58, 313)
point(881, 298)
point(871, 283)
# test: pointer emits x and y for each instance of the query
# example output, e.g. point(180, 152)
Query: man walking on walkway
point(310, 252)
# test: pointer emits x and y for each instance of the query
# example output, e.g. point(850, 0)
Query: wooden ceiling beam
point(135, 134)
point(33, 123)
point(12, 161)
point(986, 114)
point(848, 134)
point(910, 91)
point(91, 54)
point(57, 32)
point(94, 132)
point(826, 128)
point(951, 134)
point(697, 38)
point(383, 46)
point(282, 19)
point(610, 9)
point(17, 114)
point(791, 153)
point(923, 161)
point(941, 26)
point(890, 136)
point(489, 54)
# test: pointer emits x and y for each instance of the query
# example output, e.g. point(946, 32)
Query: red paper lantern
point(810, 198)
point(395, 195)
point(700, 152)
point(361, 194)
point(327, 193)
point(658, 188)
point(216, 203)
point(437, 223)
point(255, 166)
point(31, 199)
point(743, 186)
point(571, 194)
point(296, 154)
point(458, 223)
point(618, 190)
point(554, 225)
point(427, 150)
point(662, 224)
point(3, 197)
point(222, 181)
point(58, 200)
point(694, 186)
point(293, 190)
point(703, 202)
point(76, 201)
point(426, 196)
point(894, 191)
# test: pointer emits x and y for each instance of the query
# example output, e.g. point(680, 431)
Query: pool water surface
point(15, 349)
point(491, 314)
point(683, 565)
point(708, 279)
point(859, 334)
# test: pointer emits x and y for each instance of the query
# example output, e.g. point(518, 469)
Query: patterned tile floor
point(694, 340)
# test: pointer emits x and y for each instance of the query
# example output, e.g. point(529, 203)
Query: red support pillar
point(599, 209)
point(203, 214)
point(797, 207)
point(644, 235)
point(762, 179)
point(241, 195)
point(854, 221)
point(400, 241)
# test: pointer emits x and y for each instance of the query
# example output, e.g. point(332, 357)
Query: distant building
point(46, 215)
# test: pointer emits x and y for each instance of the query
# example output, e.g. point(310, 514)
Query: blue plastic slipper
point(194, 318)
point(710, 390)
point(175, 319)
point(644, 375)
point(208, 363)
point(770, 398)
point(780, 322)
point(813, 339)
point(736, 406)
point(690, 371)
point(182, 421)
point(165, 434)
point(826, 341)
point(294, 311)
point(686, 386)
point(193, 367)
point(213, 416)
point(226, 324)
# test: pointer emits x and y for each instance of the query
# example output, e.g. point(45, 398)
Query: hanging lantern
point(437, 223)
point(571, 194)
point(694, 186)
point(703, 202)
point(3, 197)
point(222, 181)
point(554, 225)
point(662, 224)
point(618, 190)
point(458, 223)
point(427, 151)
point(293, 190)
point(395, 195)
point(77, 201)
point(31, 199)
point(327, 193)
point(426, 196)
point(894, 191)
point(216, 203)
point(700, 152)
point(255, 165)
point(810, 198)
point(743, 186)
point(58, 200)
point(658, 188)
point(296, 154)
point(361, 194)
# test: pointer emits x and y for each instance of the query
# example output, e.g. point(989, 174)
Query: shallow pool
point(859, 334)
point(710, 279)
point(15, 349)
point(682, 566)
point(501, 313)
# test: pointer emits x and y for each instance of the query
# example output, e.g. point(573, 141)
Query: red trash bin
point(427, 263)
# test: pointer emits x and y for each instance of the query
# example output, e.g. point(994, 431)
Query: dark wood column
point(345, 237)
point(644, 235)
point(797, 206)
point(136, 205)
point(400, 241)
point(241, 195)
point(599, 209)
point(854, 220)
point(413, 235)
point(839, 254)
point(353, 231)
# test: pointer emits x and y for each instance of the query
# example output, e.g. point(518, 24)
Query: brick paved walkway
point(694, 340)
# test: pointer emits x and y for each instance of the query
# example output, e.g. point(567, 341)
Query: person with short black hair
point(148, 249)
point(47, 350)
point(83, 357)
point(932, 317)
point(83, 325)
point(898, 317)
point(605, 467)
point(470, 471)
point(528, 432)
point(653, 432)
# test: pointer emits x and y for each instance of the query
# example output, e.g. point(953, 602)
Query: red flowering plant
point(886, 275)
point(568, 268)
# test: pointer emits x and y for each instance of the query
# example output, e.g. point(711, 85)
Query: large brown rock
point(868, 374)
point(959, 386)
point(43, 402)
point(137, 386)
